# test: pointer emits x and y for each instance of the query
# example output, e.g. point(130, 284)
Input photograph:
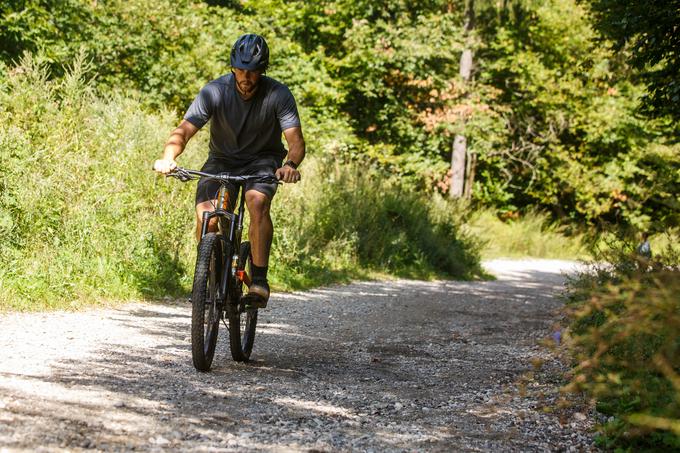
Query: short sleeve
point(286, 110)
point(202, 108)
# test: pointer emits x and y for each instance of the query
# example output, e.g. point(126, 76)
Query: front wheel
point(206, 306)
point(242, 320)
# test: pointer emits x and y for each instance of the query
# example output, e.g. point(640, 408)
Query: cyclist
point(248, 111)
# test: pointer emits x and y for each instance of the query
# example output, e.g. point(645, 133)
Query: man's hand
point(288, 174)
point(174, 147)
point(164, 166)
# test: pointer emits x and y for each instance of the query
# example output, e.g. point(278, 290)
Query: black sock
point(259, 273)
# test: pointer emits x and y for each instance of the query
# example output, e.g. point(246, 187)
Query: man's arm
point(175, 146)
point(296, 154)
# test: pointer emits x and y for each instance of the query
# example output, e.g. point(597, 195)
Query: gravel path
point(372, 366)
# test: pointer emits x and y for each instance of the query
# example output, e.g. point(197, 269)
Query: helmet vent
point(250, 52)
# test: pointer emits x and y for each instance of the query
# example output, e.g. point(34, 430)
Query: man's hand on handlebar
point(288, 174)
point(165, 166)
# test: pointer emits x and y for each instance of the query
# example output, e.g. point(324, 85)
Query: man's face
point(246, 80)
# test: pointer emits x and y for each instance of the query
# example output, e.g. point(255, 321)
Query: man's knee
point(203, 207)
point(258, 205)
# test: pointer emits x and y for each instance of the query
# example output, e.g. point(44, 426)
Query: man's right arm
point(175, 146)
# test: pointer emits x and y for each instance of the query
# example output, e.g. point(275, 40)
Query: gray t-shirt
point(242, 131)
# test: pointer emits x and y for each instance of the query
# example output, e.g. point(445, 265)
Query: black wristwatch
point(291, 163)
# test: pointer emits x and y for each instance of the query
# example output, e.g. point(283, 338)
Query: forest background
point(562, 115)
point(569, 117)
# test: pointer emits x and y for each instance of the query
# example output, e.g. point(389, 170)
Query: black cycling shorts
point(207, 189)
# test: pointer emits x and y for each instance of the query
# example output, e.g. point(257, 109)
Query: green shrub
point(624, 336)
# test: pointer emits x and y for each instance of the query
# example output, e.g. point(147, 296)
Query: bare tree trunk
point(458, 166)
point(466, 65)
point(470, 174)
point(459, 175)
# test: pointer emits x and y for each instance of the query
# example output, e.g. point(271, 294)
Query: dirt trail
point(372, 366)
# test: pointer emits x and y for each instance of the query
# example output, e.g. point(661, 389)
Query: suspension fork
point(207, 215)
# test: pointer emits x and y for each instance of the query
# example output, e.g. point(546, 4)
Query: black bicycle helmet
point(250, 52)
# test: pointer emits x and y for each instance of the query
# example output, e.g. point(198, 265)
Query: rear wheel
point(206, 309)
point(242, 321)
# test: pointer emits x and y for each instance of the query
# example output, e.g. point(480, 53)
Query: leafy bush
point(624, 335)
point(573, 143)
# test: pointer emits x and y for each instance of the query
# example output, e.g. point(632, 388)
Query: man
point(644, 249)
point(249, 112)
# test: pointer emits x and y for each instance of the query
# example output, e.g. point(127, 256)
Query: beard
point(246, 86)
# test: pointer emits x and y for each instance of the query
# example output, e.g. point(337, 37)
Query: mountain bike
point(222, 274)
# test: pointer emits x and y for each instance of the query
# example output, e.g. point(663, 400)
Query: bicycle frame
point(235, 230)
point(230, 227)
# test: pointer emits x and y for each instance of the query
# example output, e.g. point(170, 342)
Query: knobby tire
point(242, 323)
point(205, 313)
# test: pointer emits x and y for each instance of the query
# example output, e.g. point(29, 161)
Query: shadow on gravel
point(386, 366)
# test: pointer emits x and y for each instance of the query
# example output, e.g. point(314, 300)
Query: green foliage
point(648, 33)
point(51, 26)
point(626, 316)
point(82, 217)
point(391, 60)
point(528, 235)
point(139, 45)
point(344, 217)
point(573, 143)
point(550, 111)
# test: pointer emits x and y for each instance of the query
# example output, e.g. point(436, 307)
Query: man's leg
point(202, 207)
point(261, 227)
point(260, 234)
point(206, 194)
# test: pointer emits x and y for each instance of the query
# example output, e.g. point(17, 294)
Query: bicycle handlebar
point(184, 175)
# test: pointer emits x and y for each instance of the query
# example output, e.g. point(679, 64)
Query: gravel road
point(372, 366)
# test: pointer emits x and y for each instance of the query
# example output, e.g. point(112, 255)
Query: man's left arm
point(296, 153)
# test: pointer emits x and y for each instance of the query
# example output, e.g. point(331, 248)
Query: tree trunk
point(459, 175)
point(466, 65)
point(458, 166)
point(470, 174)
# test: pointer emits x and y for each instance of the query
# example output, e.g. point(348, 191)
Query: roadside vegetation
point(557, 112)
point(348, 221)
point(625, 312)
point(528, 235)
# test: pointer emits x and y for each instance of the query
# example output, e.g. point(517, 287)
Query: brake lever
point(180, 174)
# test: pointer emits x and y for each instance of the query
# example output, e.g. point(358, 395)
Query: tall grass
point(530, 235)
point(348, 219)
point(83, 219)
